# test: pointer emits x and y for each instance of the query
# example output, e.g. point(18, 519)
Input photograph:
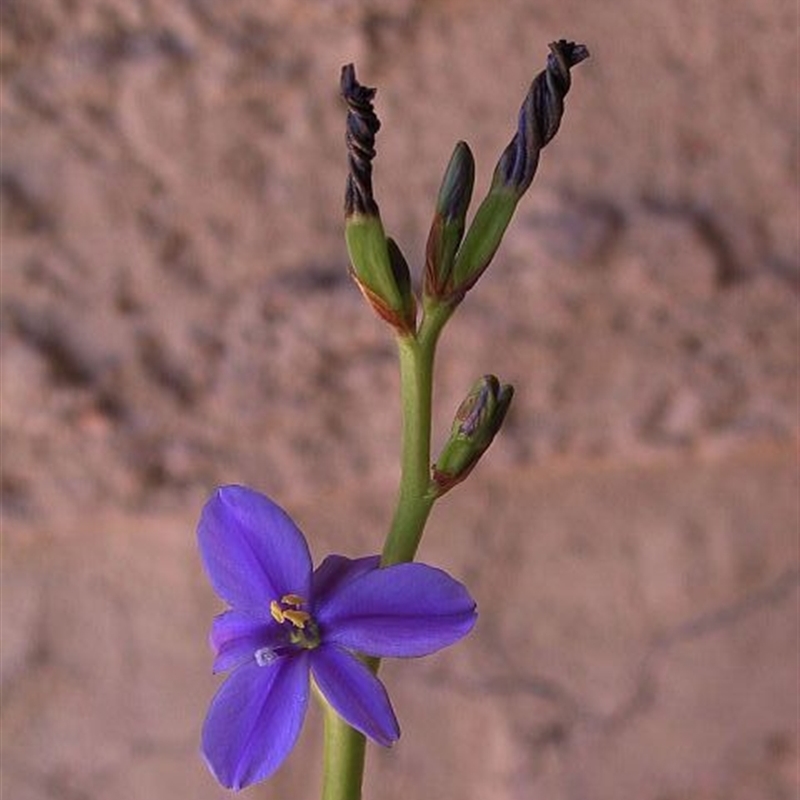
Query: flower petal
point(355, 693)
point(254, 720)
point(235, 637)
point(335, 571)
point(252, 551)
point(403, 610)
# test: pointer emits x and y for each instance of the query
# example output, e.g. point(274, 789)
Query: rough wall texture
point(176, 313)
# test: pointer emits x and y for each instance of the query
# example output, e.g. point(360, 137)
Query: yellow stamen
point(292, 600)
point(296, 617)
point(276, 611)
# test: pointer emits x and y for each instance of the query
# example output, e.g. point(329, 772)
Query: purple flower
point(287, 622)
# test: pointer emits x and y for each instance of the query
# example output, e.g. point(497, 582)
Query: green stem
point(413, 505)
point(343, 760)
point(414, 502)
point(344, 746)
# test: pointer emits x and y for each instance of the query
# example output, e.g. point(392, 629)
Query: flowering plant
point(291, 628)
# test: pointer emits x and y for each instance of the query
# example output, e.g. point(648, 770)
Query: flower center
point(289, 608)
point(302, 632)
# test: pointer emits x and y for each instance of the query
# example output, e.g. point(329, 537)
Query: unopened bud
point(447, 228)
point(476, 423)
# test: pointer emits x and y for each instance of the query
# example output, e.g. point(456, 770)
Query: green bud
point(380, 271)
point(476, 423)
point(447, 228)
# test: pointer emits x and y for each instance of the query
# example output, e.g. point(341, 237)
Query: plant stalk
point(345, 748)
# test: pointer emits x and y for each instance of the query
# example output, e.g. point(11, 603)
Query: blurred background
point(176, 314)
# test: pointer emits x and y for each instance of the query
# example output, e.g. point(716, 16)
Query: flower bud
point(476, 423)
point(447, 228)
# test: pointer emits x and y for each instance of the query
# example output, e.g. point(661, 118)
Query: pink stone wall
point(176, 313)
